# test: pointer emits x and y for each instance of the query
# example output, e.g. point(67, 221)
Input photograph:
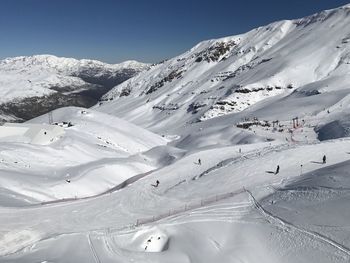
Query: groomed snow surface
point(88, 196)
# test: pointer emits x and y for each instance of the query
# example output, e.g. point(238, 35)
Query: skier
point(199, 162)
point(324, 159)
point(277, 169)
point(155, 185)
point(67, 180)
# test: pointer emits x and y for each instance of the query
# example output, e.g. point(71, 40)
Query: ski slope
point(286, 210)
point(89, 195)
point(92, 155)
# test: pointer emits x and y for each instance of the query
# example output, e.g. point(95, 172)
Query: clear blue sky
point(145, 30)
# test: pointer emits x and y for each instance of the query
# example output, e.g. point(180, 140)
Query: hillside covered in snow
point(31, 86)
point(291, 63)
point(236, 151)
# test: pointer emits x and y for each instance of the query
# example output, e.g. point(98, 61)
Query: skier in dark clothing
point(155, 185)
point(199, 162)
point(277, 169)
point(324, 159)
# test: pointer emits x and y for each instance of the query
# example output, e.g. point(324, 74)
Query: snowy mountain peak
point(233, 74)
point(52, 81)
point(66, 64)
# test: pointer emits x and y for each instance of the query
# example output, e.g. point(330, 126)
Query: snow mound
point(32, 133)
point(147, 239)
point(156, 241)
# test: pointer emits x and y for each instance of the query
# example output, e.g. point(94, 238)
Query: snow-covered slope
point(52, 82)
point(96, 153)
point(224, 210)
point(91, 195)
point(286, 59)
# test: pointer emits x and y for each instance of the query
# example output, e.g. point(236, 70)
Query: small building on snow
point(41, 134)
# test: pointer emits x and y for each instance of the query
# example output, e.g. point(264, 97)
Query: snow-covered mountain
point(246, 137)
point(31, 86)
point(286, 60)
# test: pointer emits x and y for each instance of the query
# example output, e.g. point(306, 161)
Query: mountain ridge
point(217, 77)
point(27, 82)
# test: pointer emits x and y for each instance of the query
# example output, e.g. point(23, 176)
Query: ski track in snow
point(93, 250)
point(274, 220)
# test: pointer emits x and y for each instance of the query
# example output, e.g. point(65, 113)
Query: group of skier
point(324, 158)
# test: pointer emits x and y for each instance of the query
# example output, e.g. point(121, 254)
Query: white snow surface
point(91, 195)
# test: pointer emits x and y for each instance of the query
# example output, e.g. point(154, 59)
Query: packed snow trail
point(93, 250)
point(113, 189)
point(286, 225)
point(153, 203)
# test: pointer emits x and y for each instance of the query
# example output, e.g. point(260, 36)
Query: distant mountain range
point(284, 62)
point(31, 86)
